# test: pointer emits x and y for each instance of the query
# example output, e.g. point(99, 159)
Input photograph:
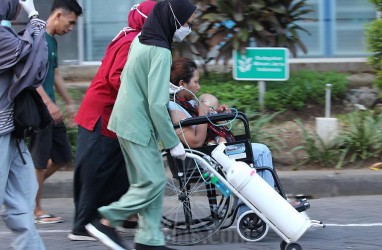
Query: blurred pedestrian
point(140, 118)
point(50, 147)
point(23, 63)
point(100, 176)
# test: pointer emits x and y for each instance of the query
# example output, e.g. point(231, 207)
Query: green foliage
point(315, 149)
point(258, 123)
point(303, 87)
point(265, 23)
point(378, 79)
point(240, 95)
point(361, 137)
point(72, 135)
point(373, 32)
point(377, 3)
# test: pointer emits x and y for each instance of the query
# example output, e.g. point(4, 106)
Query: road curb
point(317, 183)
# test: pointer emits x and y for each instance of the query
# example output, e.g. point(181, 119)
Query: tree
point(373, 32)
point(224, 25)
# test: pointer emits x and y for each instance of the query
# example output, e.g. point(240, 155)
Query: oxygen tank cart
point(261, 198)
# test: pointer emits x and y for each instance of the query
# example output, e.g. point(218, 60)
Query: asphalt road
point(352, 222)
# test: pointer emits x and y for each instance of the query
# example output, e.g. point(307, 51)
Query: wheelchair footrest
point(302, 206)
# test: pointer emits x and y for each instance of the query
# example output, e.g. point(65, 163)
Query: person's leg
point(49, 143)
point(19, 198)
point(40, 148)
point(84, 180)
point(147, 178)
point(61, 152)
point(4, 168)
point(262, 157)
point(100, 163)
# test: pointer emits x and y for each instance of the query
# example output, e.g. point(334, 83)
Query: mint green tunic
point(140, 119)
point(141, 106)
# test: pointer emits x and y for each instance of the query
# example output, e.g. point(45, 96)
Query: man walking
point(50, 147)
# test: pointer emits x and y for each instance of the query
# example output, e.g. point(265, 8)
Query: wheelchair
point(194, 209)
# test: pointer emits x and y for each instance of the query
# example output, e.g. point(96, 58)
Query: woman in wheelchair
point(185, 74)
point(194, 211)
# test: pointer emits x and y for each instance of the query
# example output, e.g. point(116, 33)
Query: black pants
point(100, 176)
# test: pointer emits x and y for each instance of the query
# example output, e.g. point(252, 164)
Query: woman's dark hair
point(68, 5)
point(182, 69)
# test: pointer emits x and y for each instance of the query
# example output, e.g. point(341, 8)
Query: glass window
point(67, 44)
point(313, 41)
point(336, 28)
point(101, 22)
point(349, 25)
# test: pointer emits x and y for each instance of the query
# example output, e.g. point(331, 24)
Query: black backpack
point(30, 113)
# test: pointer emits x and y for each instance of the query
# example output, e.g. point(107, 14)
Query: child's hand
point(223, 109)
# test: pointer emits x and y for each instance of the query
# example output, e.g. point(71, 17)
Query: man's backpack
point(30, 113)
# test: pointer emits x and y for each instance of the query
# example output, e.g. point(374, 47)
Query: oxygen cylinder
point(262, 196)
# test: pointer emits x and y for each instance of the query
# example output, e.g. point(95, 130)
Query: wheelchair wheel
point(193, 210)
point(290, 246)
point(250, 227)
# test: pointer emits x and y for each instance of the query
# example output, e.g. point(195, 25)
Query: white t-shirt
point(172, 106)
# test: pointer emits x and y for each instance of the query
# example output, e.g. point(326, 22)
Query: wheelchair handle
point(216, 118)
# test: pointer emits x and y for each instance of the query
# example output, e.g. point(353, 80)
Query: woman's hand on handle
point(178, 151)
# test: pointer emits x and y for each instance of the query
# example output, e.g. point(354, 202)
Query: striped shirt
point(6, 121)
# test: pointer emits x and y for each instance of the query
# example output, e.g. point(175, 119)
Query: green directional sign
point(261, 64)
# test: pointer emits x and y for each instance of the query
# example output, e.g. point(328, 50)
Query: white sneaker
point(81, 237)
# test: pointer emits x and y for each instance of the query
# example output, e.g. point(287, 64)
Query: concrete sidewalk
point(317, 183)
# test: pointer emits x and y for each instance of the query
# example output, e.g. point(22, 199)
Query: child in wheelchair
point(216, 134)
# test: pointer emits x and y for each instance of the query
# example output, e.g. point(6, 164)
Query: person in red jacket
point(100, 176)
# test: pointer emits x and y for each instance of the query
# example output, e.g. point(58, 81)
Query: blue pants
point(18, 188)
point(262, 157)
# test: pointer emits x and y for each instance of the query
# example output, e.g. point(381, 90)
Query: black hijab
point(160, 26)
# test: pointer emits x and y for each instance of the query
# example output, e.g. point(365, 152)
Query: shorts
point(52, 143)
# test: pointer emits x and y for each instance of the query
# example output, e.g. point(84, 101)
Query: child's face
point(212, 106)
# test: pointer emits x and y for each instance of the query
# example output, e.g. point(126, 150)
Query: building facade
point(336, 29)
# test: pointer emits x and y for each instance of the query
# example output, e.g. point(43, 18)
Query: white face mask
point(180, 33)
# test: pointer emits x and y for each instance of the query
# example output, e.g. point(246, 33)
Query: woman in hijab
point(99, 168)
point(23, 63)
point(140, 119)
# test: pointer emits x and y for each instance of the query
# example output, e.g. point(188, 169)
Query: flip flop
point(376, 166)
point(42, 219)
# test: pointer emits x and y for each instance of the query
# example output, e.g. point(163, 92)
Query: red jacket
point(100, 96)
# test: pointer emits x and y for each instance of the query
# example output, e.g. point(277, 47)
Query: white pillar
point(327, 128)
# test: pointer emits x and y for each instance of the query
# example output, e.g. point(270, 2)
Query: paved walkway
point(352, 223)
point(317, 183)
